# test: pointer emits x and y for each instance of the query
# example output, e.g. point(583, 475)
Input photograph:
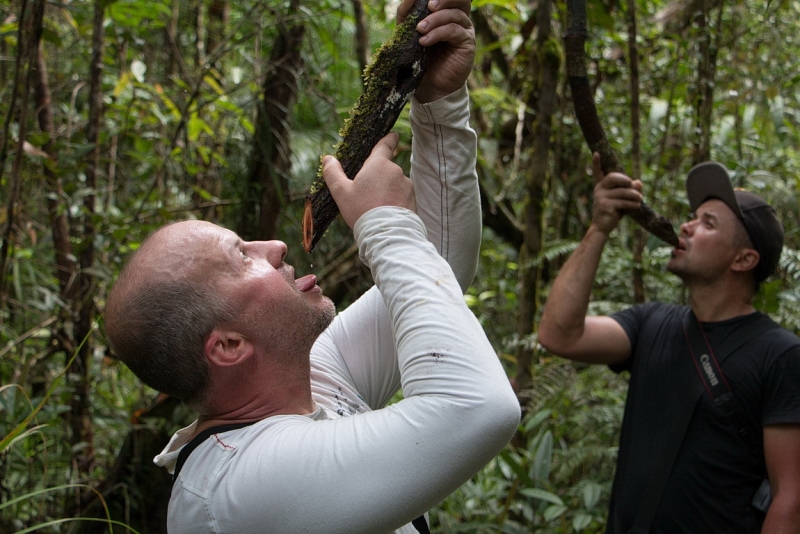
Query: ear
point(746, 259)
point(225, 347)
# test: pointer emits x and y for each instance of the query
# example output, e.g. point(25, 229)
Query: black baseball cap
point(712, 180)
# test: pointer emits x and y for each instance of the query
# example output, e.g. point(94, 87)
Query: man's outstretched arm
point(444, 149)
point(565, 329)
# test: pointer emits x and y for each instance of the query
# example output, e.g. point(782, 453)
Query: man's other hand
point(380, 182)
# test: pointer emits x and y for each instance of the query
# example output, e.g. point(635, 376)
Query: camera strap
point(707, 363)
point(200, 438)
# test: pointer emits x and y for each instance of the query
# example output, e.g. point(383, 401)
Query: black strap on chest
point(419, 523)
point(707, 363)
point(200, 438)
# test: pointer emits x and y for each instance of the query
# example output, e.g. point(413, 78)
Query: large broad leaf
point(542, 460)
point(542, 495)
point(581, 521)
point(591, 494)
point(553, 512)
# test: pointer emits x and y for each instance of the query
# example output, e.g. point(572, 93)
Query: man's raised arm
point(565, 328)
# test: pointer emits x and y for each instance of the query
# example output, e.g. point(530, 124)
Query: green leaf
point(195, 126)
point(170, 105)
point(542, 495)
point(581, 521)
point(211, 82)
point(536, 420)
point(553, 512)
point(591, 494)
point(542, 460)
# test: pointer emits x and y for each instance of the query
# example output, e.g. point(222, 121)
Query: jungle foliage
point(121, 115)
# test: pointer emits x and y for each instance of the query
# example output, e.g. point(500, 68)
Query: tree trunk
point(199, 8)
point(80, 416)
point(547, 62)
point(706, 72)
point(362, 36)
point(66, 269)
point(172, 50)
point(270, 163)
point(219, 12)
point(17, 112)
point(639, 237)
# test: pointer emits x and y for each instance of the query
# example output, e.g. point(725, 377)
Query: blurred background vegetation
point(119, 116)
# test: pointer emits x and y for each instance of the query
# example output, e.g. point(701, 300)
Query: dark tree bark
point(66, 268)
point(17, 112)
point(362, 35)
point(219, 12)
point(80, 416)
point(586, 113)
point(392, 78)
point(270, 164)
point(706, 72)
point(547, 62)
point(639, 237)
point(199, 8)
point(175, 63)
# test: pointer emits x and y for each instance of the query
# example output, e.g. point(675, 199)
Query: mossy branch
point(396, 70)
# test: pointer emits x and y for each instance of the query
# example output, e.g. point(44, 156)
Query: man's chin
point(673, 268)
point(326, 315)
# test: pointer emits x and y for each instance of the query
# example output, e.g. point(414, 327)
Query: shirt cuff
point(448, 110)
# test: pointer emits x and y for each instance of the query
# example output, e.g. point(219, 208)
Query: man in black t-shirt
point(723, 451)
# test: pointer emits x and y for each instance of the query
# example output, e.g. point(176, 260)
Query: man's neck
point(712, 303)
point(249, 414)
point(263, 393)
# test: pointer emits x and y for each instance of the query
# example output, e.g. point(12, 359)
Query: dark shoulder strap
point(699, 345)
point(200, 438)
point(717, 387)
point(419, 523)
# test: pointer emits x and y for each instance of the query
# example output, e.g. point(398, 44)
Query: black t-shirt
point(717, 471)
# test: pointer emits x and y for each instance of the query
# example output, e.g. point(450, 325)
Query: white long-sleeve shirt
point(355, 464)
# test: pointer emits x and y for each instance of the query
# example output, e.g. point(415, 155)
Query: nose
point(277, 252)
point(688, 227)
point(273, 251)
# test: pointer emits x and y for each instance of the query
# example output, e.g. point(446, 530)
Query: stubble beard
point(300, 330)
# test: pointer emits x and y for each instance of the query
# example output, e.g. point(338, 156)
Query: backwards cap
point(711, 180)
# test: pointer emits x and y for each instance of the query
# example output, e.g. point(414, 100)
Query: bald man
point(294, 433)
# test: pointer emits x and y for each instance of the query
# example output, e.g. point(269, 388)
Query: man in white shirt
point(293, 433)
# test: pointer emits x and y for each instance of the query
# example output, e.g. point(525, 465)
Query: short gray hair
point(158, 328)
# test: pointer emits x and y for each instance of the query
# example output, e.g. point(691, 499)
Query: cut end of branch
point(308, 227)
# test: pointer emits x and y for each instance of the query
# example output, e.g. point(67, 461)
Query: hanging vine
point(586, 113)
